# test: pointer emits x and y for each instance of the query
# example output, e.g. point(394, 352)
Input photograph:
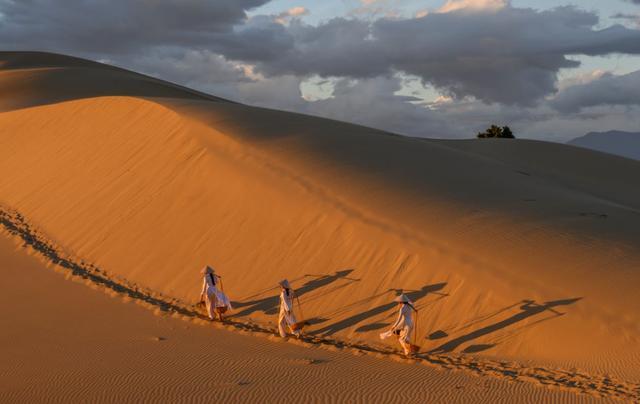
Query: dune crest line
point(576, 381)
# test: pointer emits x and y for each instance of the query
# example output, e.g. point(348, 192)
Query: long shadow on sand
point(269, 305)
point(529, 309)
point(355, 319)
point(392, 315)
point(444, 332)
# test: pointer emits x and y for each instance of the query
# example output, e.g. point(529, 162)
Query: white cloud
point(294, 12)
point(582, 78)
point(316, 88)
point(473, 5)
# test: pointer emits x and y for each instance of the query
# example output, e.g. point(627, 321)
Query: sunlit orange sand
point(522, 257)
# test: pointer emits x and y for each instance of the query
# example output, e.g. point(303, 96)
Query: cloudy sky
point(550, 69)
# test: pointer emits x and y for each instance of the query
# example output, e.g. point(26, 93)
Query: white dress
point(213, 296)
point(286, 318)
point(403, 325)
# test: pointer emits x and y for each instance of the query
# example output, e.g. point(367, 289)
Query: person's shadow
point(270, 304)
point(528, 309)
point(358, 318)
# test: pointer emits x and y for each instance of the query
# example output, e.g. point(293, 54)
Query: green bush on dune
point(497, 132)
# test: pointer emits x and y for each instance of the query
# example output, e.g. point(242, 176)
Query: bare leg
point(406, 347)
point(404, 341)
point(211, 310)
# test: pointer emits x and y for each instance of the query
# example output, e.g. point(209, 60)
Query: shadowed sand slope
point(511, 249)
point(37, 78)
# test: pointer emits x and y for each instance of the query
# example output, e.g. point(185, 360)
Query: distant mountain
point(625, 144)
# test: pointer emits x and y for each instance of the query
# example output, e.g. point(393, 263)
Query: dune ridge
point(507, 257)
point(39, 78)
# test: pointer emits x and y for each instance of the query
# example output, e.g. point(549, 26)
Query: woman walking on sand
point(286, 318)
point(216, 302)
point(403, 325)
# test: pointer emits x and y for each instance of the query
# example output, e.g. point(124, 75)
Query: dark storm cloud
point(511, 56)
point(116, 26)
point(259, 39)
point(608, 90)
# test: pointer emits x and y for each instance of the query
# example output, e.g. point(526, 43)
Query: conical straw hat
point(402, 299)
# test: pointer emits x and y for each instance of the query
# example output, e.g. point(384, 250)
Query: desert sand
point(71, 344)
point(522, 256)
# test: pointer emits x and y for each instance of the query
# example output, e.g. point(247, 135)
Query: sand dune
point(105, 351)
point(513, 250)
point(36, 78)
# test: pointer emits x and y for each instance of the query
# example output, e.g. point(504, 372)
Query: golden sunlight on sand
point(522, 257)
